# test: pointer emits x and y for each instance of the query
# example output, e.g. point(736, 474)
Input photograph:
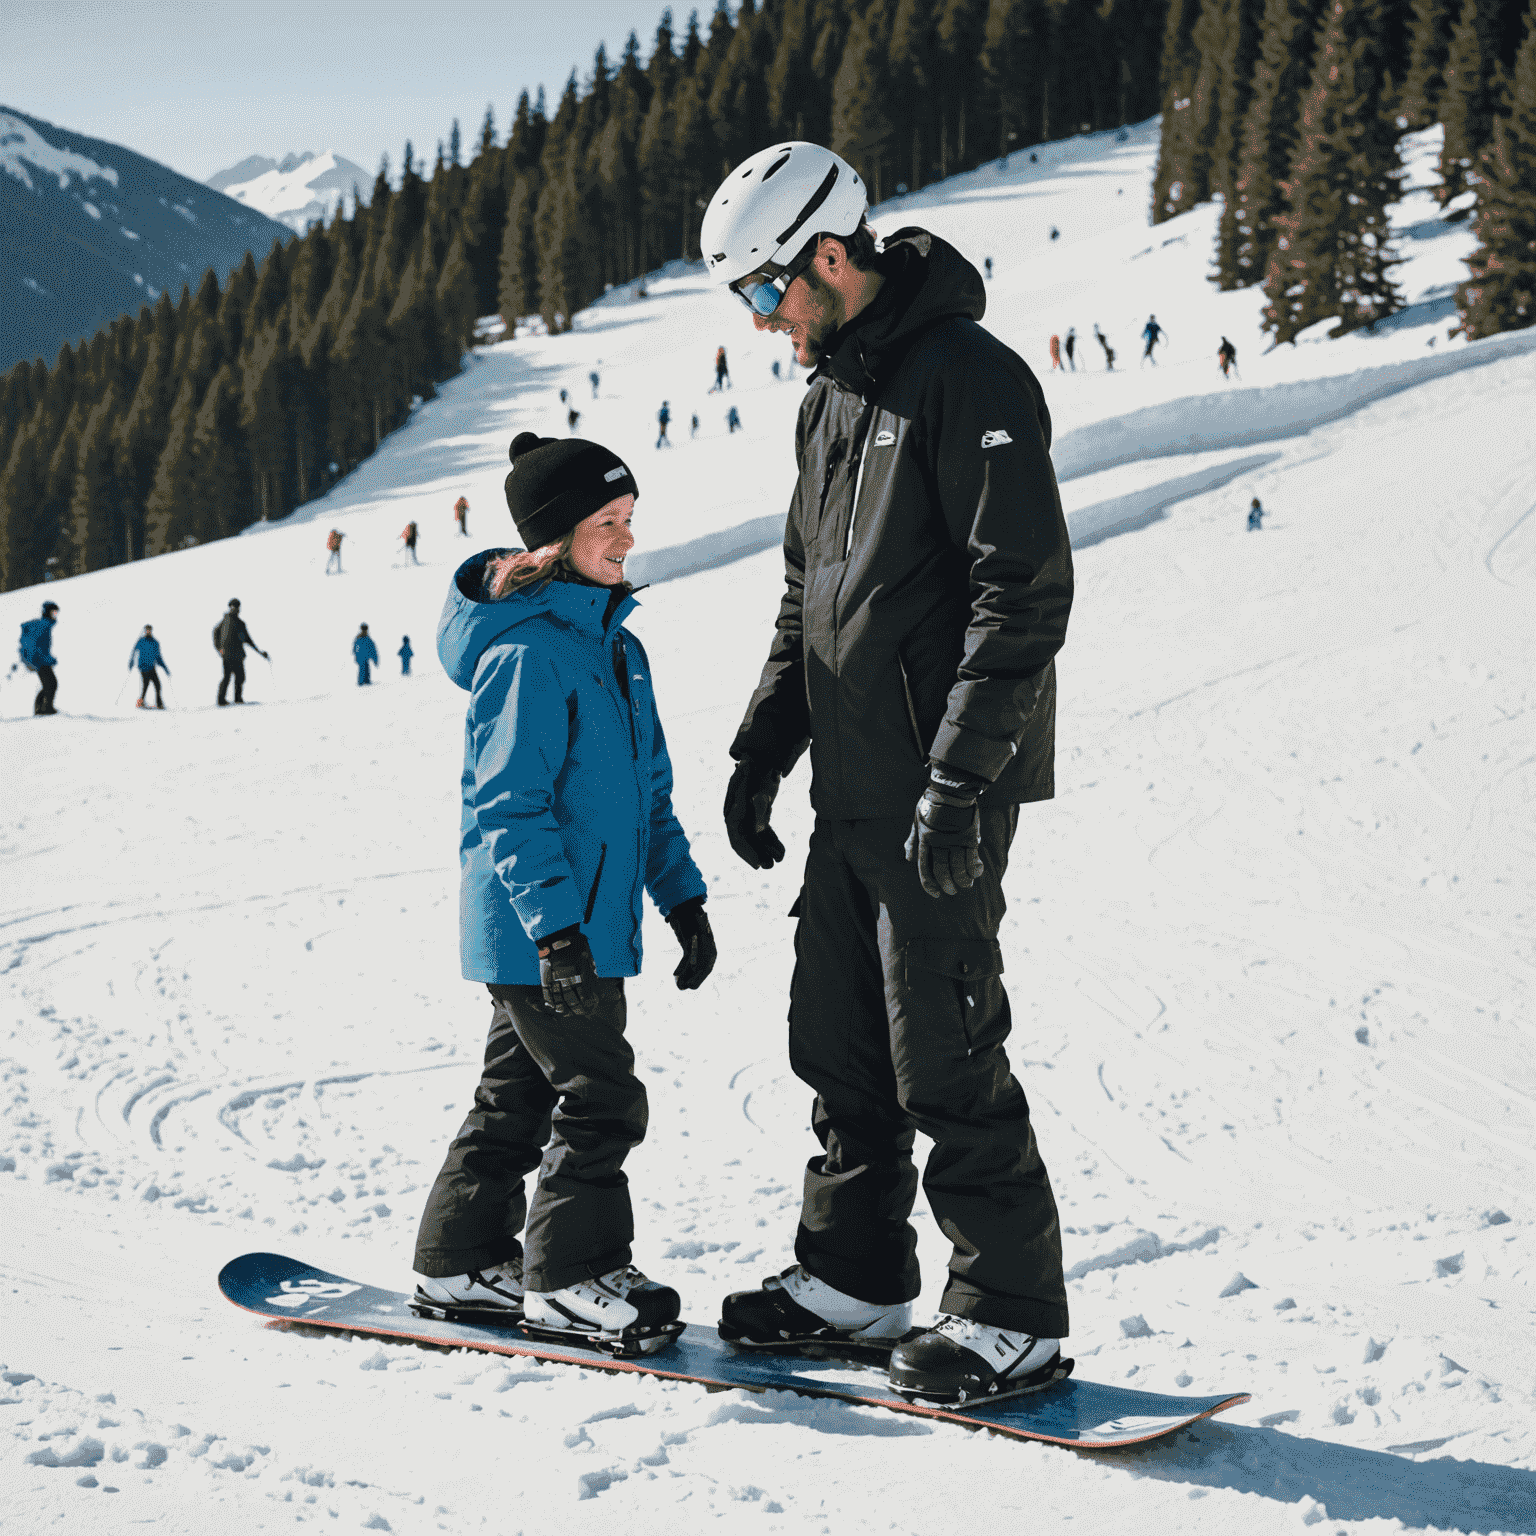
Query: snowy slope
point(90, 231)
point(297, 190)
point(1269, 949)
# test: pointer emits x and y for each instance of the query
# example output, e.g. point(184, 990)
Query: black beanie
point(555, 482)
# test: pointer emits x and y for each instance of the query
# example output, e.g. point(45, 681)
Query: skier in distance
point(366, 654)
point(733, 420)
point(925, 473)
point(333, 545)
point(461, 516)
point(1152, 333)
point(1109, 351)
point(722, 372)
point(1226, 357)
point(1255, 517)
point(592, 379)
point(146, 657)
point(408, 537)
point(405, 653)
point(1055, 351)
point(230, 638)
point(663, 420)
point(36, 651)
point(567, 814)
point(1069, 346)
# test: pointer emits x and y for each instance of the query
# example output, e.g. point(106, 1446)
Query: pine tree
point(23, 546)
point(861, 128)
point(1015, 36)
point(1333, 256)
point(960, 28)
point(220, 491)
point(1500, 293)
point(95, 519)
point(518, 293)
point(1234, 41)
point(1429, 45)
point(1268, 136)
point(168, 508)
point(1182, 178)
point(1469, 98)
point(456, 308)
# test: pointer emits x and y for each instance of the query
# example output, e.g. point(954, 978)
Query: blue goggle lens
point(759, 294)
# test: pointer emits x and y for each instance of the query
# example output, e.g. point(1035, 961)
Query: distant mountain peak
point(296, 190)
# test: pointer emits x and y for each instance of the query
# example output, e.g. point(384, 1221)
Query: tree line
point(199, 415)
point(1290, 113)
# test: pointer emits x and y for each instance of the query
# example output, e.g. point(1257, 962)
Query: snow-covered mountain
point(298, 189)
point(1269, 948)
point(90, 231)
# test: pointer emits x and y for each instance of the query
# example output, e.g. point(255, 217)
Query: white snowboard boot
point(490, 1292)
point(620, 1302)
point(795, 1308)
point(960, 1359)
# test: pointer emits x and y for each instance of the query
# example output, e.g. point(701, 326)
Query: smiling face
point(599, 543)
point(811, 309)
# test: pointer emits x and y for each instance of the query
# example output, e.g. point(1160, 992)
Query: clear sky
point(201, 84)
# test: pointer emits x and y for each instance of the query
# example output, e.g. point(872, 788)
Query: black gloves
point(945, 841)
point(566, 972)
point(691, 926)
point(748, 800)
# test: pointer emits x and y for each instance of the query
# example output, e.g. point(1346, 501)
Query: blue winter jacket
point(567, 787)
point(146, 654)
point(363, 649)
point(37, 644)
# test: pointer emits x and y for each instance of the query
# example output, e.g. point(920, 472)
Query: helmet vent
point(777, 165)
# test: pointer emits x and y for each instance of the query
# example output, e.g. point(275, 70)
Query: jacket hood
point(926, 280)
point(469, 624)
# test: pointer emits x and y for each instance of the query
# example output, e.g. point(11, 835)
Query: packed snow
point(297, 190)
point(1270, 948)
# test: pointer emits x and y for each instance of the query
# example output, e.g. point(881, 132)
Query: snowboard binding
point(623, 1345)
point(1041, 1380)
point(465, 1311)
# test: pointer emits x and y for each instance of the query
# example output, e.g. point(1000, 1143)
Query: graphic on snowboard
point(1079, 1413)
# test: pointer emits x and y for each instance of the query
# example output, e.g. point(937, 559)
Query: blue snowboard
point(1080, 1413)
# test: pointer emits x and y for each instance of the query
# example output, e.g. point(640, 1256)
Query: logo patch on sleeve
point(884, 439)
point(995, 439)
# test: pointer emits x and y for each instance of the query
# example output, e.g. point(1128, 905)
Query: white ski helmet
point(771, 204)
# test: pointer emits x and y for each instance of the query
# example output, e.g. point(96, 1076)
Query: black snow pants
point(898, 1020)
point(234, 667)
point(147, 680)
point(43, 703)
point(558, 1093)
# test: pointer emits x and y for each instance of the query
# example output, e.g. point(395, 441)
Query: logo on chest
point(995, 439)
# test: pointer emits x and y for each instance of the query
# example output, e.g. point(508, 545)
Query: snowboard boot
point(960, 1360)
point(480, 1295)
point(794, 1309)
point(623, 1311)
point(139, 704)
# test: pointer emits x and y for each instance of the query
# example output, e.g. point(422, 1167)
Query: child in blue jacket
point(566, 825)
point(146, 656)
point(365, 653)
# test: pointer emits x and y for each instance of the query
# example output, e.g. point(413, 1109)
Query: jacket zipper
point(634, 737)
point(906, 688)
point(853, 511)
point(602, 859)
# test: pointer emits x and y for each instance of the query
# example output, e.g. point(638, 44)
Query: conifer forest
point(210, 410)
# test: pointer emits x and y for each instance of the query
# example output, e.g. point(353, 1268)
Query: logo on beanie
point(616, 474)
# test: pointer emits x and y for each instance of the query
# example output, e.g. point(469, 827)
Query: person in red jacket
point(461, 516)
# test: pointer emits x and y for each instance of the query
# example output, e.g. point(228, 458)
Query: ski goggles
point(762, 294)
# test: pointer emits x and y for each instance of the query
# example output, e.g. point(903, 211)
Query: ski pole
point(120, 688)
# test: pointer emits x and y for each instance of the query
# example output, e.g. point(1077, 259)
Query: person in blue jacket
point(405, 653)
point(365, 653)
point(36, 649)
point(146, 656)
point(566, 824)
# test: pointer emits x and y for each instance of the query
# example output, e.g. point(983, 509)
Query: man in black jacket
point(928, 579)
point(230, 638)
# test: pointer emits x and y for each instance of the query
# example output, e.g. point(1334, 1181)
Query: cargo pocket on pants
point(960, 972)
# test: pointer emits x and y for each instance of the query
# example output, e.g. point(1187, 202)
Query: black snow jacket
point(230, 637)
point(927, 570)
